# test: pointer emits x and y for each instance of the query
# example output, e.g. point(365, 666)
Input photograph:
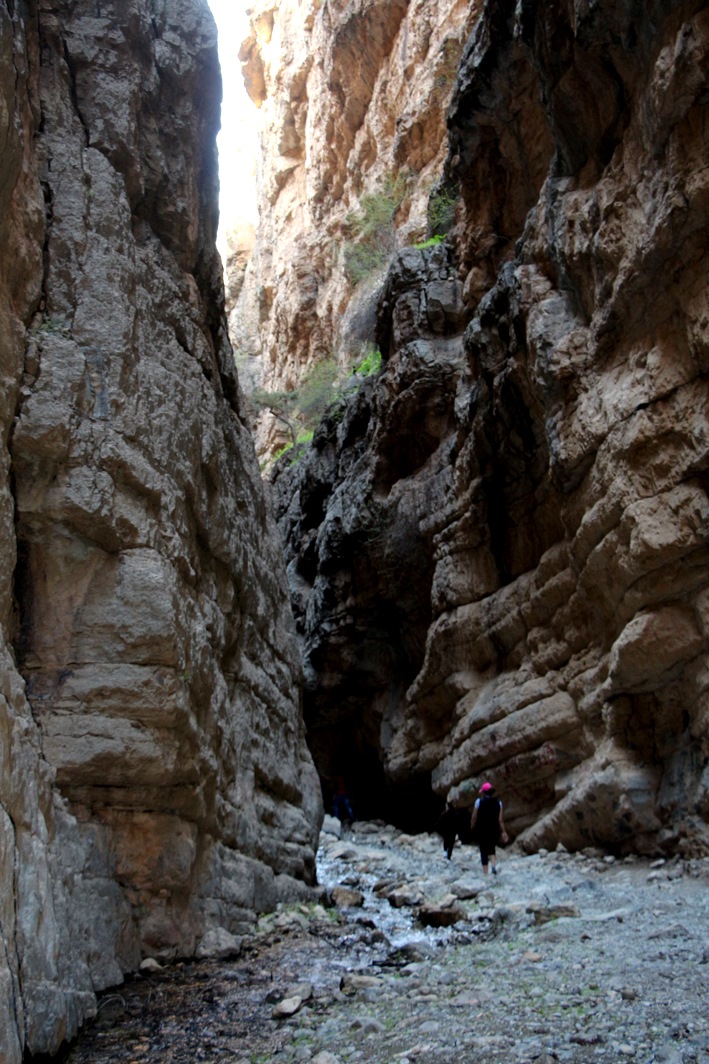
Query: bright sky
point(237, 139)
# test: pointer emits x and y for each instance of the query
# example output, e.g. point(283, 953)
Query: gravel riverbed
point(560, 957)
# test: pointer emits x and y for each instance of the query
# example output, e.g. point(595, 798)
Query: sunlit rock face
point(154, 779)
point(498, 551)
point(352, 96)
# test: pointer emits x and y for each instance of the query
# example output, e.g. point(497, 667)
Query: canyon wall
point(352, 99)
point(497, 549)
point(155, 786)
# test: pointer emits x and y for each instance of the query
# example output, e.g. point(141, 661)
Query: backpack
point(487, 824)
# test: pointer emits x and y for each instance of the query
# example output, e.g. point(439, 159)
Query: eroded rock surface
point(353, 96)
point(155, 782)
point(498, 551)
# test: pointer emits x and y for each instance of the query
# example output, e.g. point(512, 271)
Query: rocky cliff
point(155, 786)
point(498, 549)
point(353, 98)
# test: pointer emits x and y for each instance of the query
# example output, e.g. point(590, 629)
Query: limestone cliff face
point(154, 779)
point(353, 96)
point(498, 550)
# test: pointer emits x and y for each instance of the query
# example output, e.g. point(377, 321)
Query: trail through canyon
point(560, 957)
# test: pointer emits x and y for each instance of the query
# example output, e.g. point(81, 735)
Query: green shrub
point(361, 260)
point(323, 389)
point(317, 391)
point(432, 242)
point(298, 448)
point(282, 451)
point(377, 209)
point(50, 325)
point(370, 364)
point(261, 399)
point(372, 229)
point(441, 211)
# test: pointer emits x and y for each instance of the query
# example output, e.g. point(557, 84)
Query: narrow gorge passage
point(420, 499)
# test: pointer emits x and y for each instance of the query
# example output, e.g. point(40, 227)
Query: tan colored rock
point(154, 778)
point(344, 897)
point(404, 895)
point(352, 96)
point(542, 914)
point(651, 646)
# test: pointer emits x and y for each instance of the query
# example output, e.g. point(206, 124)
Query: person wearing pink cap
point(487, 824)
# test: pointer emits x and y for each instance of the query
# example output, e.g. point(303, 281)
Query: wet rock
point(404, 895)
point(368, 1026)
point(346, 898)
point(302, 990)
point(467, 889)
point(343, 851)
point(441, 914)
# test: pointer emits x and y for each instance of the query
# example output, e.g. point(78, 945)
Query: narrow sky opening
point(238, 138)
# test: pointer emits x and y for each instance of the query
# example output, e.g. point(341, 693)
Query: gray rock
point(219, 943)
point(332, 826)
point(405, 895)
point(286, 1007)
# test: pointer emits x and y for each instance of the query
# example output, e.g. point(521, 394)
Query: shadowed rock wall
point(498, 551)
point(154, 779)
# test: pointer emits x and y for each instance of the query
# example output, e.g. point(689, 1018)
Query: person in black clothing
point(487, 823)
point(342, 807)
point(447, 826)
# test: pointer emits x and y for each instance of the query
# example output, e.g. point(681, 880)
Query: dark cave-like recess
point(410, 805)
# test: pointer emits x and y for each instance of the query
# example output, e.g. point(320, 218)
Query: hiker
point(487, 823)
point(447, 826)
point(342, 806)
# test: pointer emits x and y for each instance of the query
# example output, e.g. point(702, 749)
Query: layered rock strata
point(154, 778)
point(353, 97)
point(498, 550)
